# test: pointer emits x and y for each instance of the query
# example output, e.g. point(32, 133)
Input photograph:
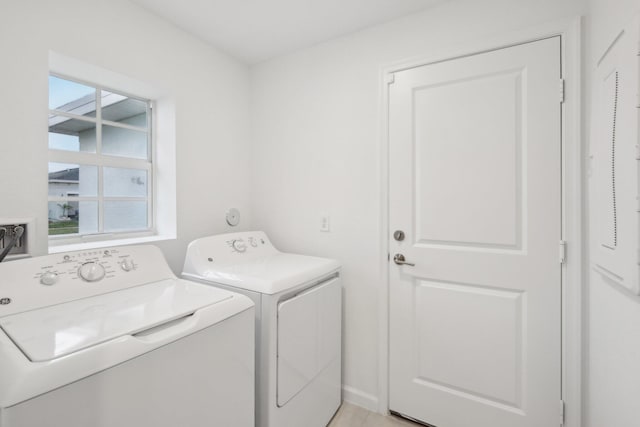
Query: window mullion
point(125, 199)
point(99, 152)
point(100, 199)
point(150, 151)
point(62, 156)
point(124, 126)
point(124, 162)
point(151, 176)
point(98, 121)
point(72, 199)
point(59, 113)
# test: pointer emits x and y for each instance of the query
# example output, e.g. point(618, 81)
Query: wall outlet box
point(25, 245)
point(325, 222)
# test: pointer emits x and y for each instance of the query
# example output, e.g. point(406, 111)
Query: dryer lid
point(59, 330)
point(270, 274)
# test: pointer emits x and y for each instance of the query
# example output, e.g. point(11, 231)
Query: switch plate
point(325, 223)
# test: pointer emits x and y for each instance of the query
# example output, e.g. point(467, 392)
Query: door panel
point(486, 152)
point(475, 183)
point(488, 336)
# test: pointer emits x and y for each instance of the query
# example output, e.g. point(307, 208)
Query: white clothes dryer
point(298, 323)
point(111, 338)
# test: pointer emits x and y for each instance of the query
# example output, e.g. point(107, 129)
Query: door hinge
point(562, 412)
point(562, 91)
point(563, 251)
point(390, 78)
point(388, 257)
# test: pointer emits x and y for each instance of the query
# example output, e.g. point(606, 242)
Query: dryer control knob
point(239, 245)
point(91, 271)
point(127, 264)
point(49, 278)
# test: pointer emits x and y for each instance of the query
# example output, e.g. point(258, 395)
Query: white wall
point(209, 88)
point(612, 315)
point(316, 148)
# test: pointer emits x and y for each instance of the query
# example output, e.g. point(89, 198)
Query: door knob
point(399, 259)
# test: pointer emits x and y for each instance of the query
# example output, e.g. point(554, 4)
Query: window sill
point(68, 247)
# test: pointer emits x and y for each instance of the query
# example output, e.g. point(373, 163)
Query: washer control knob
point(126, 264)
point(49, 278)
point(91, 271)
point(239, 245)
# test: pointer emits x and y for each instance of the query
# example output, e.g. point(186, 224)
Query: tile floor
point(355, 416)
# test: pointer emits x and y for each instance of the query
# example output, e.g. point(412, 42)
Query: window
point(100, 161)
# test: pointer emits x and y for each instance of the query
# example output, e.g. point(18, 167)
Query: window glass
point(122, 215)
point(72, 180)
point(117, 141)
point(122, 109)
point(119, 182)
point(65, 217)
point(71, 97)
point(71, 134)
point(100, 170)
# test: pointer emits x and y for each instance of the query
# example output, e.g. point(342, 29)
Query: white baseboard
point(359, 398)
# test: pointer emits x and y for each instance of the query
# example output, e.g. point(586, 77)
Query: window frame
point(101, 161)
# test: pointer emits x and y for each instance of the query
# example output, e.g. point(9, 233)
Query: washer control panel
point(90, 266)
point(36, 282)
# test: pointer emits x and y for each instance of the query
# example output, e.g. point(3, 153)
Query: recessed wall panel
point(477, 332)
point(468, 165)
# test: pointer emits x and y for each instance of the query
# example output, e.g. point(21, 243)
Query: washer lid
point(62, 329)
point(269, 274)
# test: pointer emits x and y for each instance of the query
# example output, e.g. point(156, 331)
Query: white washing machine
point(111, 338)
point(298, 323)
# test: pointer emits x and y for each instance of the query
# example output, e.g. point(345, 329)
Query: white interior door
point(475, 184)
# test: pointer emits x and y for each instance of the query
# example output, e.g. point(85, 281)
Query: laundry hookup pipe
point(17, 234)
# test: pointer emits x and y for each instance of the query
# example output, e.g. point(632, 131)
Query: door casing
point(572, 201)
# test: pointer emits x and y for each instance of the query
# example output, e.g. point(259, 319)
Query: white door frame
point(572, 151)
